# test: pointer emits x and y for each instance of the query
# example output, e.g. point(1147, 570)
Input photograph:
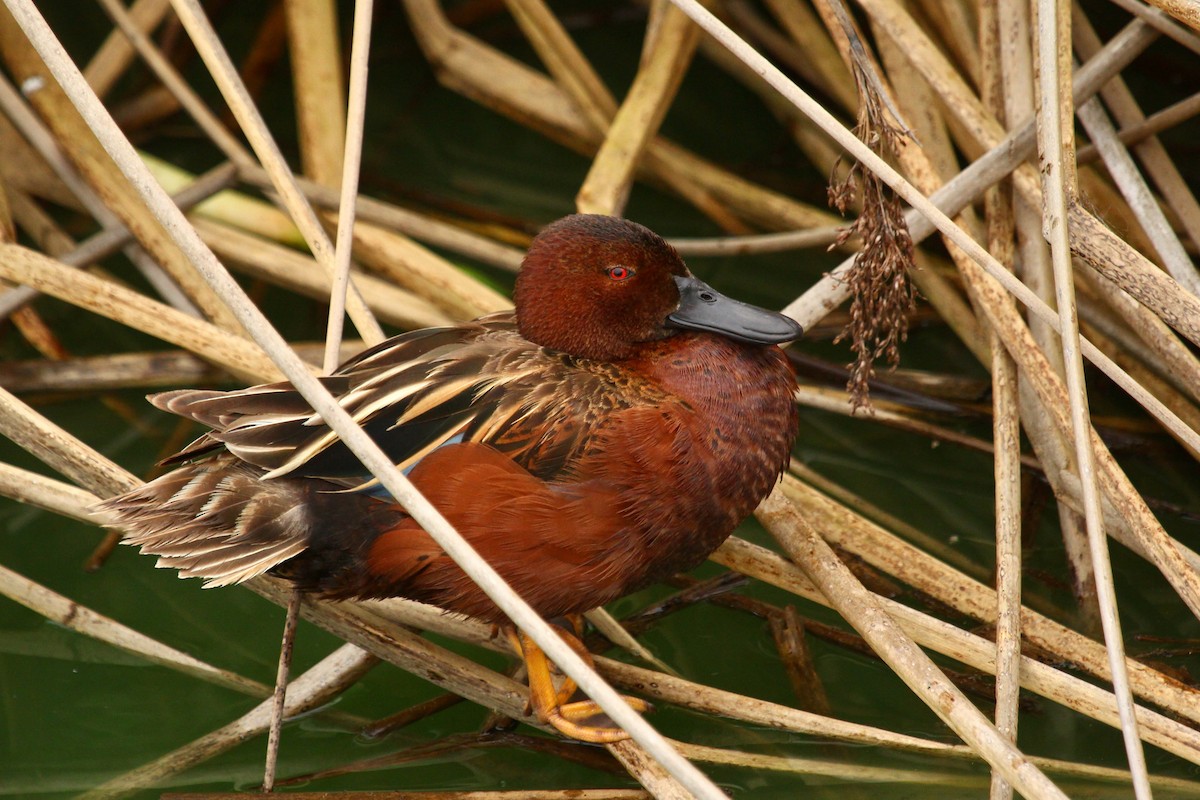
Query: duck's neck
point(742, 399)
point(721, 379)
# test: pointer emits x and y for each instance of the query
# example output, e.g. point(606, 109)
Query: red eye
point(620, 273)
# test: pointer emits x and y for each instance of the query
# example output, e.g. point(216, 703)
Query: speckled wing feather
point(215, 520)
point(477, 382)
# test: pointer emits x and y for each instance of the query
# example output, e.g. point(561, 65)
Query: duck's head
point(596, 286)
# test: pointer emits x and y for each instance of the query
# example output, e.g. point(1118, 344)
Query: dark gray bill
point(703, 308)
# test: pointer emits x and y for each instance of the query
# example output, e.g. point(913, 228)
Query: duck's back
point(477, 382)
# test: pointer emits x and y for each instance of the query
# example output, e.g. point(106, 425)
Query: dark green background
point(74, 713)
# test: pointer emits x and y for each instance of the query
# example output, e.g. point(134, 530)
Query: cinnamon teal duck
point(610, 431)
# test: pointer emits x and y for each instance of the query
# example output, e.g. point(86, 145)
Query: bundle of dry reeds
point(968, 113)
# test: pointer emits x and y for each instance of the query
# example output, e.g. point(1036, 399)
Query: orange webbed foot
point(582, 720)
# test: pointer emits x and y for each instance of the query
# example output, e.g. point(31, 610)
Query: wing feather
point(477, 382)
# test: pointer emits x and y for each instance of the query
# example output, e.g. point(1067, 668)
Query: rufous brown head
point(597, 286)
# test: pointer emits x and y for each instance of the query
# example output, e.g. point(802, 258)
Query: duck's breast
point(691, 466)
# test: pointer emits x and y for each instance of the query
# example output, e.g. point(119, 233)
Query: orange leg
point(549, 702)
point(567, 687)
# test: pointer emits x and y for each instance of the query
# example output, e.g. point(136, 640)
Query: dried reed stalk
point(234, 91)
point(427, 229)
point(1006, 422)
point(100, 174)
point(1050, 443)
point(48, 494)
point(1056, 150)
point(153, 370)
point(979, 653)
point(829, 768)
point(80, 619)
point(238, 355)
point(57, 448)
point(494, 79)
point(320, 94)
point(327, 679)
point(592, 100)
point(57, 243)
point(915, 668)
point(668, 50)
point(823, 64)
point(114, 56)
point(417, 269)
point(8, 229)
point(1181, 10)
point(916, 568)
point(283, 266)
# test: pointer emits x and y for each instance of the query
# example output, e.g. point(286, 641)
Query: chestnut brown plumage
point(614, 429)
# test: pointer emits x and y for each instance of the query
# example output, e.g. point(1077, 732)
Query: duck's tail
point(216, 519)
